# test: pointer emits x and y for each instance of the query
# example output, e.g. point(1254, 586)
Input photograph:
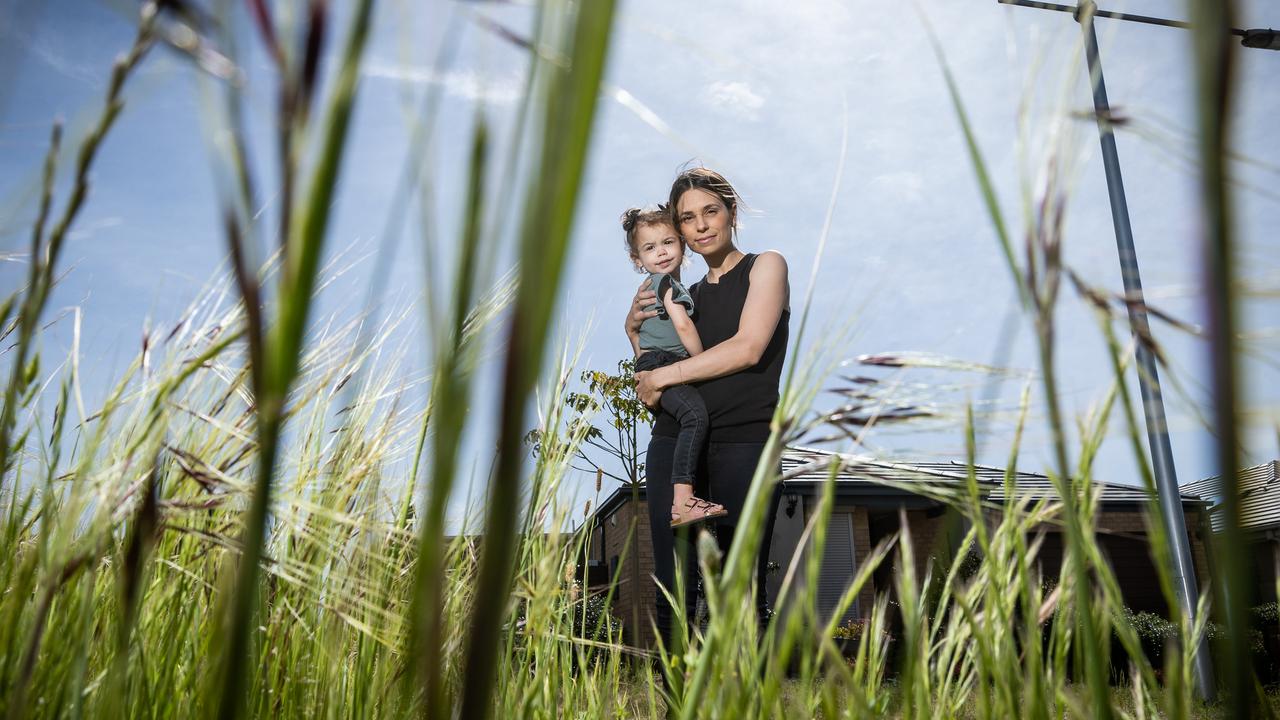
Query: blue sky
point(758, 91)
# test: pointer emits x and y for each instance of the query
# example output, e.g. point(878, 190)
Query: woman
point(742, 318)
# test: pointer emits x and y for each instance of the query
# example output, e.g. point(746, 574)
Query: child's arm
point(679, 315)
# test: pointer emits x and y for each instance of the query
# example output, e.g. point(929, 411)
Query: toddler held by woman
point(656, 248)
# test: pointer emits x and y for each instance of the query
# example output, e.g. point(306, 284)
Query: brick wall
point(925, 534)
point(616, 550)
point(1123, 536)
point(861, 551)
point(1128, 531)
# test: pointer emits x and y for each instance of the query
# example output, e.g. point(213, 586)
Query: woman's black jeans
point(724, 474)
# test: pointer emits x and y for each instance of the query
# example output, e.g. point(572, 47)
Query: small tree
point(611, 446)
point(614, 397)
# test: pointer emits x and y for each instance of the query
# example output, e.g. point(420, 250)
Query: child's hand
point(638, 314)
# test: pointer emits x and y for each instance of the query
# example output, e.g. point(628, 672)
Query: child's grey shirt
point(659, 333)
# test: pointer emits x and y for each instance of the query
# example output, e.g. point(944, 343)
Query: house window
point(838, 567)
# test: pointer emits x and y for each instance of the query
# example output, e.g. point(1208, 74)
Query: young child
point(657, 249)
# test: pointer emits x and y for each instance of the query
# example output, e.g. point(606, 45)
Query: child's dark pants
point(684, 402)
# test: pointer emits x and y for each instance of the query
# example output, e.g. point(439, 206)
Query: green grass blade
point(570, 103)
point(282, 355)
point(1213, 61)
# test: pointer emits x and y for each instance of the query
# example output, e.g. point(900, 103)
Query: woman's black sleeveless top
point(739, 405)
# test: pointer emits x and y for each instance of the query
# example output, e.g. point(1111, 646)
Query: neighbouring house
point(871, 498)
point(1259, 518)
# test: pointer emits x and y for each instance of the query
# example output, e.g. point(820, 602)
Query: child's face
point(658, 248)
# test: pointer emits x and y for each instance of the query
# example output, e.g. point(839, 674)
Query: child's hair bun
point(629, 219)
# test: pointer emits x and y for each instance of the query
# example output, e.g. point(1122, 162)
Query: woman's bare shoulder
point(769, 262)
point(769, 273)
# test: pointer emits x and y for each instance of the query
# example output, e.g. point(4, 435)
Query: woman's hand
point(648, 388)
point(644, 298)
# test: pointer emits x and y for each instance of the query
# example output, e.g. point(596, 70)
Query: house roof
point(804, 469)
point(856, 469)
point(1259, 496)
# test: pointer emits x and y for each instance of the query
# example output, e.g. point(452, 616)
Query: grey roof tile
point(1259, 496)
point(857, 469)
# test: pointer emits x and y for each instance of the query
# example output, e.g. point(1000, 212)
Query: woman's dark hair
point(636, 218)
point(702, 178)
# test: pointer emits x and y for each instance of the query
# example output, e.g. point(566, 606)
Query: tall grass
point(1214, 73)
point(254, 521)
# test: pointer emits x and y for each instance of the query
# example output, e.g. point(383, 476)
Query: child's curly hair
point(636, 218)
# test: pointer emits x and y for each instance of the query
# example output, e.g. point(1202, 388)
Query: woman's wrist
point(668, 376)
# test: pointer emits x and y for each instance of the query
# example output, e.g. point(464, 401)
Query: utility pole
point(1166, 479)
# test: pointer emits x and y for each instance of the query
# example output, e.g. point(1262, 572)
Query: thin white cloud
point(903, 185)
point(89, 228)
point(465, 84)
point(85, 73)
point(735, 98)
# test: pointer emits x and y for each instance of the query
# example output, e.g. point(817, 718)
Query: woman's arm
point(767, 298)
point(685, 329)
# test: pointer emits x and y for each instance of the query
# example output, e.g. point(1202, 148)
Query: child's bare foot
point(695, 509)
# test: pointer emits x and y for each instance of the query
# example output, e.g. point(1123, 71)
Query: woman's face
point(705, 223)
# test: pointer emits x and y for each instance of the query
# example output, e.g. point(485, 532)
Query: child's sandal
point(696, 510)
